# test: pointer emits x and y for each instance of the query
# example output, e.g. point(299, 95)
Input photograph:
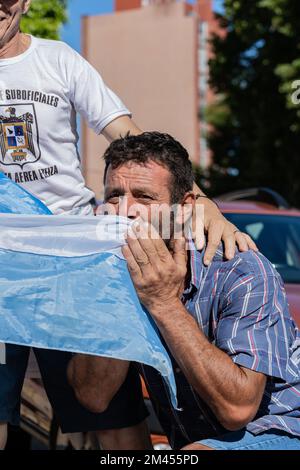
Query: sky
point(78, 8)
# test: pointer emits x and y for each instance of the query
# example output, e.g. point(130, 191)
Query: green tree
point(256, 75)
point(45, 18)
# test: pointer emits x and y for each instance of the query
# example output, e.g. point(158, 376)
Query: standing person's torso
point(40, 92)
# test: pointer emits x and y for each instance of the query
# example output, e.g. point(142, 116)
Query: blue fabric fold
point(84, 304)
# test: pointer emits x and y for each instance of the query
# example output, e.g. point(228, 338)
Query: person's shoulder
point(62, 57)
point(248, 264)
point(255, 262)
point(54, 46)
point(253, 259)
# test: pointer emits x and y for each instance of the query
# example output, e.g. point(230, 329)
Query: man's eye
point(145, 196)
point(113, 199)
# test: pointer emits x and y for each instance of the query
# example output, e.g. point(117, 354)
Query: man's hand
point(218, 229)
point(158, 275)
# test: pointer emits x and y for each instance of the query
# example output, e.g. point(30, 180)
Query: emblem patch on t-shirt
point(19, 137)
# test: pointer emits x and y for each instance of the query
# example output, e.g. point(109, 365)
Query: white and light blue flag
point(64, 285)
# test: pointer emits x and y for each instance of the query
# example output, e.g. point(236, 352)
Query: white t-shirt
point(41, 91)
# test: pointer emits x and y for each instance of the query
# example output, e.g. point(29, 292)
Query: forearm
point(96, 380)
point(120, 127)
point(222, 384)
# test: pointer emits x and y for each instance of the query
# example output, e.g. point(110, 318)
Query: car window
point(277, 237)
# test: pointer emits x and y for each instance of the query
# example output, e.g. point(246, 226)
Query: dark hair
point(160, 148)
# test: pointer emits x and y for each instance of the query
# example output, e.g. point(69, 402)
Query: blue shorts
point(126, 409)
point(244, 440)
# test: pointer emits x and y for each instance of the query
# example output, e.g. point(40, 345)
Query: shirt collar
point(196, 264)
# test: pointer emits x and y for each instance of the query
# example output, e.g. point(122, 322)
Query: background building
point(154, 55)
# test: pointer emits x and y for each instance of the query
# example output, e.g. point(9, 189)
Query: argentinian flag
point(64, 285)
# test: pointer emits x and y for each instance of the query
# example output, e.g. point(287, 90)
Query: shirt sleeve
point(255, 328)
point(92, 99)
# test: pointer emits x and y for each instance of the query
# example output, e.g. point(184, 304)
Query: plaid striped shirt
point(241, 307)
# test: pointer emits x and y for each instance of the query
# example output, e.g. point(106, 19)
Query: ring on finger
point(143, 262)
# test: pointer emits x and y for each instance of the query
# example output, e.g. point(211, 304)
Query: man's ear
point(189, 198)
point(185, 209)
point(26, 6)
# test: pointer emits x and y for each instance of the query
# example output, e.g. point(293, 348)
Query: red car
point(277, 235)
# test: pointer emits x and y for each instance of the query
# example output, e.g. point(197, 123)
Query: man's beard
point(5, 35)
point(8, 32)
point(3, 32)
point(171, 229)
point(168, 237)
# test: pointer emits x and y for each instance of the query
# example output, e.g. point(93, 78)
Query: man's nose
point(127, 207)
